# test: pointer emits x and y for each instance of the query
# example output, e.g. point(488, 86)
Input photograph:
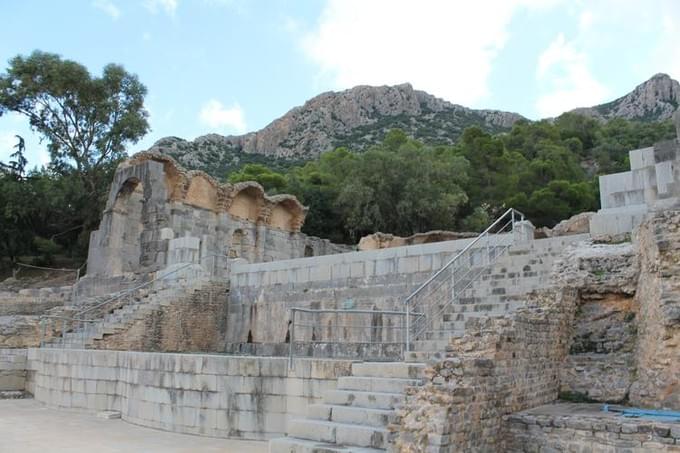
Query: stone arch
point(286, 213)
point(202, 193)
point(127, 225)
point(247, 202)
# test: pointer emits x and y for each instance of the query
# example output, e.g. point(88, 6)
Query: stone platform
point(585, 427)
point(250, 398)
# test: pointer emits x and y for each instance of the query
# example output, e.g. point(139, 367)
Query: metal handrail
point(465, 249)
point(513, 213)
point(119, 295)
point(293, 324)
point(145, 284)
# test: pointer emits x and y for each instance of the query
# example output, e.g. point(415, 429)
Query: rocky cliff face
point(654, 100)
point(357, 118)
point(361, 116)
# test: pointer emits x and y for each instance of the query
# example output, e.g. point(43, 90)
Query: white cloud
point(7, 142)
point(108, 7)
point(217, 116)
point(169, 7)
point(566, 80)
point(586, 19)
point(446, 48)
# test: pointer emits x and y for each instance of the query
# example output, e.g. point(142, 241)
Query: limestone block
point(167, 234)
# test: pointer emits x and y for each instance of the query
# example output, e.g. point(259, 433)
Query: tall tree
point(87, 121)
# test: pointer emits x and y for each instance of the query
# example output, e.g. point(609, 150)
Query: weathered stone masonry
point(159, 214)
point(504, 366)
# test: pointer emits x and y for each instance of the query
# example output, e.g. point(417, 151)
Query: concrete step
point(370, 400)
point(348, 414)
point(297, 445)
point(388, 370)
point(374, 384)
point(338, 433)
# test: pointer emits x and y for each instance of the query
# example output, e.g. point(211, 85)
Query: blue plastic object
point(635, 412)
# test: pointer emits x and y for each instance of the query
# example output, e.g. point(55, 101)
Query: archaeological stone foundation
point(206, 311)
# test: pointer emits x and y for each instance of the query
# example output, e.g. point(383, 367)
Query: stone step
point(373, 384)
point(423, 356)
point(370, 400)
point(338, 433)
point(430, 345)
point(350, 414)
point(388, 370)
point(296, 445)
point(443, 335)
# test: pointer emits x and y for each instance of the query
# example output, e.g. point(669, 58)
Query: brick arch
point(246, 201)
point(202, 192)
point(286, 213)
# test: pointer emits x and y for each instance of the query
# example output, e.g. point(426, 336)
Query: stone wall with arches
point(159, 214)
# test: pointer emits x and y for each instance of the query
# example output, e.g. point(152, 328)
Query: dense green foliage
point(87, 122)
point(545, 169)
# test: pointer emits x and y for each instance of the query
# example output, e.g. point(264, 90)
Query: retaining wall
point(261, 293)
point(12, 370)
point(213, 395)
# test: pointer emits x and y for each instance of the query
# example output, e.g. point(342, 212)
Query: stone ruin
point(652, 183)
point(303, 343)
point(158, 215)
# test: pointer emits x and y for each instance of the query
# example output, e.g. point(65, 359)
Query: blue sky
point(231, 66)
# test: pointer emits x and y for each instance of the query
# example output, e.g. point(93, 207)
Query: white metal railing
point(380, 333)
point(119, 299)
point(426, 305)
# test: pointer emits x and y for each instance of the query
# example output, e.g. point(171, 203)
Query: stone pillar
point(183, 250)
point(523, 232)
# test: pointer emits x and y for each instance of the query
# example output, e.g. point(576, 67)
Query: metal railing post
point(408, 326)
point(43, 323)
point(291, 339)
point(74, 293)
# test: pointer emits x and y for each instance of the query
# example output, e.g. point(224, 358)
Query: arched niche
point(174, 181)
point(247, 204)
point(286, 215)
point(127, 225)
point(237, 244)
point(202, 193)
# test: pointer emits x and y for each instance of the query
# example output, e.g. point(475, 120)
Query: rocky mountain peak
point(653, 100)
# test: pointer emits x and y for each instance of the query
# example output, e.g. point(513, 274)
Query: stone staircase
point(124, 313)
point(498, 292)
point(354, 417)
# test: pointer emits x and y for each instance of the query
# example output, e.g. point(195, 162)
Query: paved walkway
point(26, 426)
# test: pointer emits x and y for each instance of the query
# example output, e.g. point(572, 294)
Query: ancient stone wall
point(569, 427)
point(379, 240)
point(658, 351)
point(503, 366)
point(210, 395)
point(159, 214)
point(194, 322)
point(262, 293)
point(20, 314)
point(600, 365)
point(12, 370)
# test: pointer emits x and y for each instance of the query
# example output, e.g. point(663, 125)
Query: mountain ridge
point(360, 116)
